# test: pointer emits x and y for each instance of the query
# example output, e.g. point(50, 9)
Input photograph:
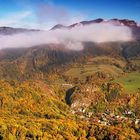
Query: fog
point(70, 38)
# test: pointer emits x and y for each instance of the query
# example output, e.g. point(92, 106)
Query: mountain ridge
point(115, 21)
point(4, 30)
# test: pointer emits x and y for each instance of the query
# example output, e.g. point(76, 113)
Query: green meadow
point(131, 81)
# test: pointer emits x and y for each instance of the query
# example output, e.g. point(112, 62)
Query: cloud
point(48, 13)
point(14, 18)
point(72, 39)
point(51, 12)
point(41, 15)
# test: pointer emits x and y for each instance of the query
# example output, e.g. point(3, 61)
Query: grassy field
point(108, 65)
point(86, 70)
point(130, 81)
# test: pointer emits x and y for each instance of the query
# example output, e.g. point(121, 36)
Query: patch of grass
point(130, 81)
point(86, 70)
point(111, 66)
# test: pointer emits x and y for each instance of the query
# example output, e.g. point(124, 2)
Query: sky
point(44, 14)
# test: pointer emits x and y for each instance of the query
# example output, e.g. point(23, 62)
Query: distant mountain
point(99, 20)
point(59, 26)
point(10, 30)
point(125, 22)
point(118, 22)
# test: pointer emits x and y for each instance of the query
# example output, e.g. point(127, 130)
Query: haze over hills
point(117, 22)
point(85, 31)
point(60, 34)
point(131, 24)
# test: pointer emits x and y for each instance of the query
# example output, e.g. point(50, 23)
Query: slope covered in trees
point(50, 92)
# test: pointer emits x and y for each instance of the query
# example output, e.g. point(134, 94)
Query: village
point(108, 118)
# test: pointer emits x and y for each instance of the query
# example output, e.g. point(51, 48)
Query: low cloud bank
point(72, 39)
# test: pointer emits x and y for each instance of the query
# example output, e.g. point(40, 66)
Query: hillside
point(35, 110)
point(38, 61)
point(50, 92)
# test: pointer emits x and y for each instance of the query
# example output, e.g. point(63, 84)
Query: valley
point(53, 93)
